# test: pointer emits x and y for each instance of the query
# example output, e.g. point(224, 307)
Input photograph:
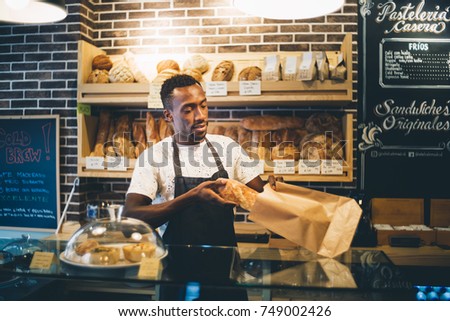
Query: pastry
point(223, 72)
point(250, 73)
point(238, 193)
point(86, 246)
point(196, 62)
point(104, 255)
point(98, 76)
point(135, 252)
point(102, 62)
point(167, 64)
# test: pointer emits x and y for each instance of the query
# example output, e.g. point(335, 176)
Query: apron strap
point(176, 157)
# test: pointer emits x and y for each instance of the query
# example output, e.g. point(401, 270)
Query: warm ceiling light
point(288, 9)
point(32, 11)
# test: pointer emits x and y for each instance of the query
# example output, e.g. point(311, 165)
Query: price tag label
point(332, 167)
point(149, 268)
point(284, 167)
point(154, 98)
point(216, 88)
point(116, 163)
point(83, 109)
point(42, 260)
point(250, 88)
point(95, 162)
point(309, 167)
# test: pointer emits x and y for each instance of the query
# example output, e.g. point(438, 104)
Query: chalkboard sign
point(29, 172)
point(404, 97)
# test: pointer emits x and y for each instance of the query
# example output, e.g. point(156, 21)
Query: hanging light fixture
point(288, 9)
point(32, 11)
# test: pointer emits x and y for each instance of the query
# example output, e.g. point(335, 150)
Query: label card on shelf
point(250, 88)
point(216, 88)
point(332, 167)
point(309, 167)
point(154, 98)
point(42, 260)
point(284, 167)
point(149, 268)
point(83, 109)
point(116, 163)
point(95, 162)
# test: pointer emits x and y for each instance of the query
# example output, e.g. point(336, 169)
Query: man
point(176, 180)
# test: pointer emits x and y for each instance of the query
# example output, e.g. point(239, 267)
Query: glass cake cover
point(112, 242)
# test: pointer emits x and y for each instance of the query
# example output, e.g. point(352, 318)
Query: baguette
point(270, 122)
point(102, 133)
point(139, 138)
point(151, 131)
point(238, 193)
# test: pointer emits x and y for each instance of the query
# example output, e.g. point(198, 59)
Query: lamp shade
point(32, 11)
point(288, 9)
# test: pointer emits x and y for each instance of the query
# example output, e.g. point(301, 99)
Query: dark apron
point(202, 223)
point(199, 224)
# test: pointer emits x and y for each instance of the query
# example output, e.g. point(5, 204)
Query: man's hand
point(208, 192)
point(273, 181)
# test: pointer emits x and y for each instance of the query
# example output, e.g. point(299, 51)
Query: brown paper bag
point(320, 222)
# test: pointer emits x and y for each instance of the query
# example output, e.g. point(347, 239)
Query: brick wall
point(38, 63)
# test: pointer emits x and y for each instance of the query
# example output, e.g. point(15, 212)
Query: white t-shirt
point(154, 175)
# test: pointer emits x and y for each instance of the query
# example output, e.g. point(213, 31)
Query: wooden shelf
point(273, 93)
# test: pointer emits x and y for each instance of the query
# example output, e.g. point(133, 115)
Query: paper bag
point(320, 222)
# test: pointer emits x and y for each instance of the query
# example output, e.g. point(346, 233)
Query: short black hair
point(170, 84)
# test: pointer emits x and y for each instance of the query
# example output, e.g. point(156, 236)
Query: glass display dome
point(20, 252)
point(113, 243)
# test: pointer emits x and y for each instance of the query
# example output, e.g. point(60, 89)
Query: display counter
point(263, 273)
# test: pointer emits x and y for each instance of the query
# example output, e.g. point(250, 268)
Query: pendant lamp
point(288, 9)
point(32, 11)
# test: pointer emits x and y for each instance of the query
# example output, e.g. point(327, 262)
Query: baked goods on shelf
point(238, 193)
point(104, 255)
point(135, 252)
point(197, 62)
point(98, 76)
point(250, 73)
point(167, 64)
point(86, 246)
point(193, 72)
point(121, 73)
point(223, 71)
point(102, 62)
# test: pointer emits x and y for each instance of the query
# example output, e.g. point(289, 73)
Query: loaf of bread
point(250, 73)
point(109, 145)
point(138, 75)
point(102, 134)
point(98, 76)
point(165, 128)
point(244, 137)
point(139, 138)
point(165, 74)
point(319, 146)
point(122, 142)
point(238, 193)
point(217, 130)
point(223, 72)
point(121, 73)
point(151, 130)
point(104, 255)
point(319, 123)
point(193, 72)
point(86, 246)
point(167, 64)
point(136, 252)
point(102, 62)
point(270, 122)
point(232, 132)
point(285, 151)
point(197, 62)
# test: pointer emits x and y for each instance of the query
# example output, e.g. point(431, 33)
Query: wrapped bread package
point(320, 222)
point(307, 68)
point(271, 71)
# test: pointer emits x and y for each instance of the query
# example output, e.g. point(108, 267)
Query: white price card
point(284, 167)
point(332, 167)
point(116, 163)
point(250, 88)
point(309, 167)
point(154, 98)
point(216, 88)
point(95, 162)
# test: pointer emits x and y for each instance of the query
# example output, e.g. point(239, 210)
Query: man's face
point(189, 114)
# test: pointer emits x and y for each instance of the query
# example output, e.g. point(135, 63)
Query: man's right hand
point(208, 192)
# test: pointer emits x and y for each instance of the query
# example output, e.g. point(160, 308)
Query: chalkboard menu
point(404, 98)
point(29, 173)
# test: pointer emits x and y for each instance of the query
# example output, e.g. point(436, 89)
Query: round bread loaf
point(319, 123)
point(135, 252)
point(319, 146)
point(271, 122)
point(195, 73)
point(98, 76)
point(121, 73)
point(250, 73)
point(285, 151)
point(165, 74)
point(197, 62)
point(167, 64)
point(102, 62)
point(223, 72)
point(104, 255)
